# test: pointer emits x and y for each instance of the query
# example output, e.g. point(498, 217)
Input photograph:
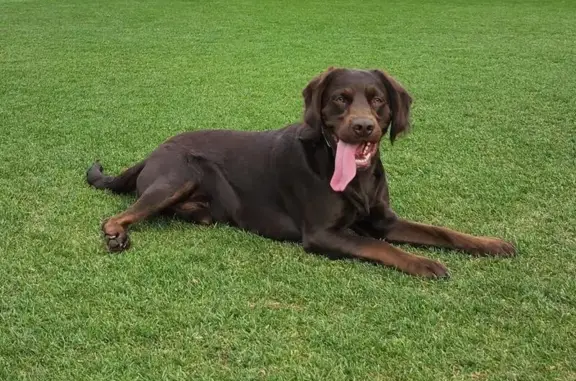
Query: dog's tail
point(124, 183)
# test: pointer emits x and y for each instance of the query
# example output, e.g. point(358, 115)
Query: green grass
point(492, 151)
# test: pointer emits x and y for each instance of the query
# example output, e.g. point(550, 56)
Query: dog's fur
point(277, 183)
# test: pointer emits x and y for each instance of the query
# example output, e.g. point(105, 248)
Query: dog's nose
point(363, 127)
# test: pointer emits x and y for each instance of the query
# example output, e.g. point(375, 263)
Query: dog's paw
point(117, 242)
point(428, 268)
point(115, 237)
point(497, 248)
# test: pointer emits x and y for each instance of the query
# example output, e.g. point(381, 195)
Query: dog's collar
point(325, 136)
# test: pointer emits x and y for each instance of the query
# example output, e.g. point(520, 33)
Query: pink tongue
point(344, 166)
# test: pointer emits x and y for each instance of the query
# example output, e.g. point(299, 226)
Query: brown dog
point(320, 182)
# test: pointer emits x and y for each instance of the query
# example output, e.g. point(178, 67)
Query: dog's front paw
point(428, 268)
point(497, 247)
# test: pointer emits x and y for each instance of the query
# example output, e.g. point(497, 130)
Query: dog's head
point(356, 107)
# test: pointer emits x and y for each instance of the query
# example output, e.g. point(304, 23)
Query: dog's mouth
point(349, 158)
point(363, 154)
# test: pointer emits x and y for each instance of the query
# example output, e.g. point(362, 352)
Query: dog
point(320, 182)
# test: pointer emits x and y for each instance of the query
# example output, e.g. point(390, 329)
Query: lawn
point(492, 151)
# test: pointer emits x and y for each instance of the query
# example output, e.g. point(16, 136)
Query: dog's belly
point(246, 197)
point(263, 221)
point(272, 225)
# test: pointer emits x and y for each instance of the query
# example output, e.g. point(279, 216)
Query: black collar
point(324, 134)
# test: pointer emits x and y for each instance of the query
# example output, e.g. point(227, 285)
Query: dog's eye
point(377, 101)
point(340, 99)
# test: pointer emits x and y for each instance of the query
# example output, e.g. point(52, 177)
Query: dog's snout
point(363, 127)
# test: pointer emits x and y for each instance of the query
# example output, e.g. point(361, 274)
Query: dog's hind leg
point(159, 195)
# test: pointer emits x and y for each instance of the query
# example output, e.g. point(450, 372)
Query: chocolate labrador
point(320, 182)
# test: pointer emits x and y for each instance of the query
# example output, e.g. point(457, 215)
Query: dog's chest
point(358, 200)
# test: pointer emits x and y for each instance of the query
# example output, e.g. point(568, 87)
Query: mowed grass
point(492, 151)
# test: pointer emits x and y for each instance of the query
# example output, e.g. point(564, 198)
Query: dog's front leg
point(404, 231)
point(340, 243)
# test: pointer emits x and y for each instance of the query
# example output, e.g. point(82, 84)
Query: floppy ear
point(400, 103)
point(312, 94)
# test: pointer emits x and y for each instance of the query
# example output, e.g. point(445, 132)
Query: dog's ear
point(400, 103)
point(312, 94)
